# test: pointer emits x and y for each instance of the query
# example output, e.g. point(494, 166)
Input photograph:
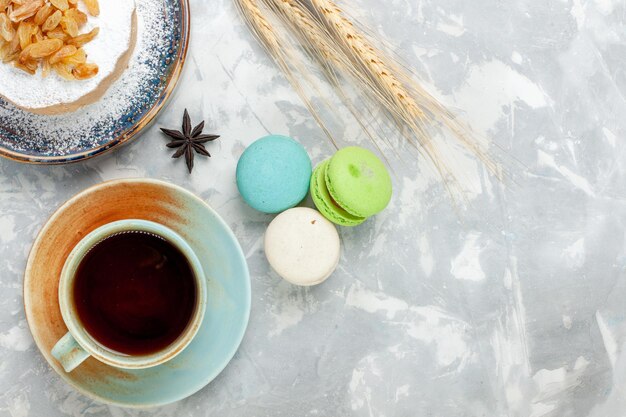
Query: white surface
point(302, 246)
point(513, 308)
point(105, 50)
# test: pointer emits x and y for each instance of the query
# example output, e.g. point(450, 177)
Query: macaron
point(351, 186)
point(273, 174)
point(302, 246)
point(324, 202)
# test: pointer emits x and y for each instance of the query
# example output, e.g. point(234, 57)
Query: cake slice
point(46, 91)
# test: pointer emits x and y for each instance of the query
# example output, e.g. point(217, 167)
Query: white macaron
point(302, 246)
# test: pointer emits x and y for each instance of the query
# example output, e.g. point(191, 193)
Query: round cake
point(47, 92)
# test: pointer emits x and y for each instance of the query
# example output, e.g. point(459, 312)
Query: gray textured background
point(515, 308)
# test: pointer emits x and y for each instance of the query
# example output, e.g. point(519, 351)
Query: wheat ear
point(411, 105)
point(320, 46)
point(283, 54)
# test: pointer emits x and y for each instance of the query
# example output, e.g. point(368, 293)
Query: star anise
point(189, 140)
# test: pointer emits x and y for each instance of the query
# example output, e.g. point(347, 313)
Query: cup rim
point(90, 344)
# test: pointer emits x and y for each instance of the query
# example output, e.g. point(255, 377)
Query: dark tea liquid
point(135, 293)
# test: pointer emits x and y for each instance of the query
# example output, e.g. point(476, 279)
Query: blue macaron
point(273, 174)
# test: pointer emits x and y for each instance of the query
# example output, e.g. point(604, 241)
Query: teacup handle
point(69, 353)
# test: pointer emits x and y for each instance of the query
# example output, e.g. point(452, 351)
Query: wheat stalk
point(368, 58)
point(385, 89)
point(283, 54)
point(320, 46)
point(412, 105)
point(376, 78)
point(342, 51)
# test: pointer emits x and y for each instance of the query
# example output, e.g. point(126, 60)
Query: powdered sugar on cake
point(113, 41)
point(131, 96)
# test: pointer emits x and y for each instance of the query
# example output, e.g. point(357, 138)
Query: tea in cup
point(132, 294)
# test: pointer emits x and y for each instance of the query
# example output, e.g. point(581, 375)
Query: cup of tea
point(132, 294)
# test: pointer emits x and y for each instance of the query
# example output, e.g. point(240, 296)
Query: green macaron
point(358, 181)
point(324, 202)
point(351, 186)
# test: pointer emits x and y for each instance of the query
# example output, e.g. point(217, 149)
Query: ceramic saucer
point(219, 252)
